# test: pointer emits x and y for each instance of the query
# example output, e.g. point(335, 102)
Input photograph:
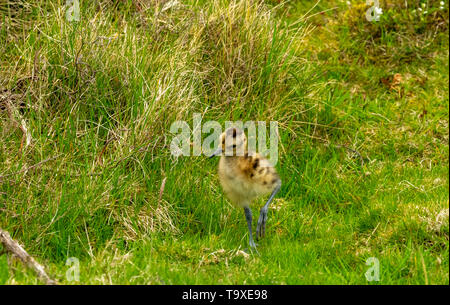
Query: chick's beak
point(217, 152)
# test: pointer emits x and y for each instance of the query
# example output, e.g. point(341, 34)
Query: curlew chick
point(244, 176)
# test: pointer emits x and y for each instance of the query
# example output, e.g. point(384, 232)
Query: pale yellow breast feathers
point(244, 178)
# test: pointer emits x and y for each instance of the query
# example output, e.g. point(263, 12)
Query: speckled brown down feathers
point(244, 176)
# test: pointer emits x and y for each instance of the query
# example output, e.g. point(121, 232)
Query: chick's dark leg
point(261, 226)
point(248, 216)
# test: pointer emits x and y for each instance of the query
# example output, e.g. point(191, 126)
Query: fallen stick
point(12, 246)
point(29, 168)
point(161, 190)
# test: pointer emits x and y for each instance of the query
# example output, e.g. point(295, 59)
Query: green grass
point(98, 97)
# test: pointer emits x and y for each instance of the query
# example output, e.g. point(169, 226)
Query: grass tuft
point(362, 108)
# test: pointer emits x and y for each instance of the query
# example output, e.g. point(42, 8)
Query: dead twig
point(29, 168)
point(161, 190)
point(18, 122)
point(352, 150)
point(99, 157)
point(12, 246)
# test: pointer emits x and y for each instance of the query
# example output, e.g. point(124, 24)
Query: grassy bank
point(362, 109)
